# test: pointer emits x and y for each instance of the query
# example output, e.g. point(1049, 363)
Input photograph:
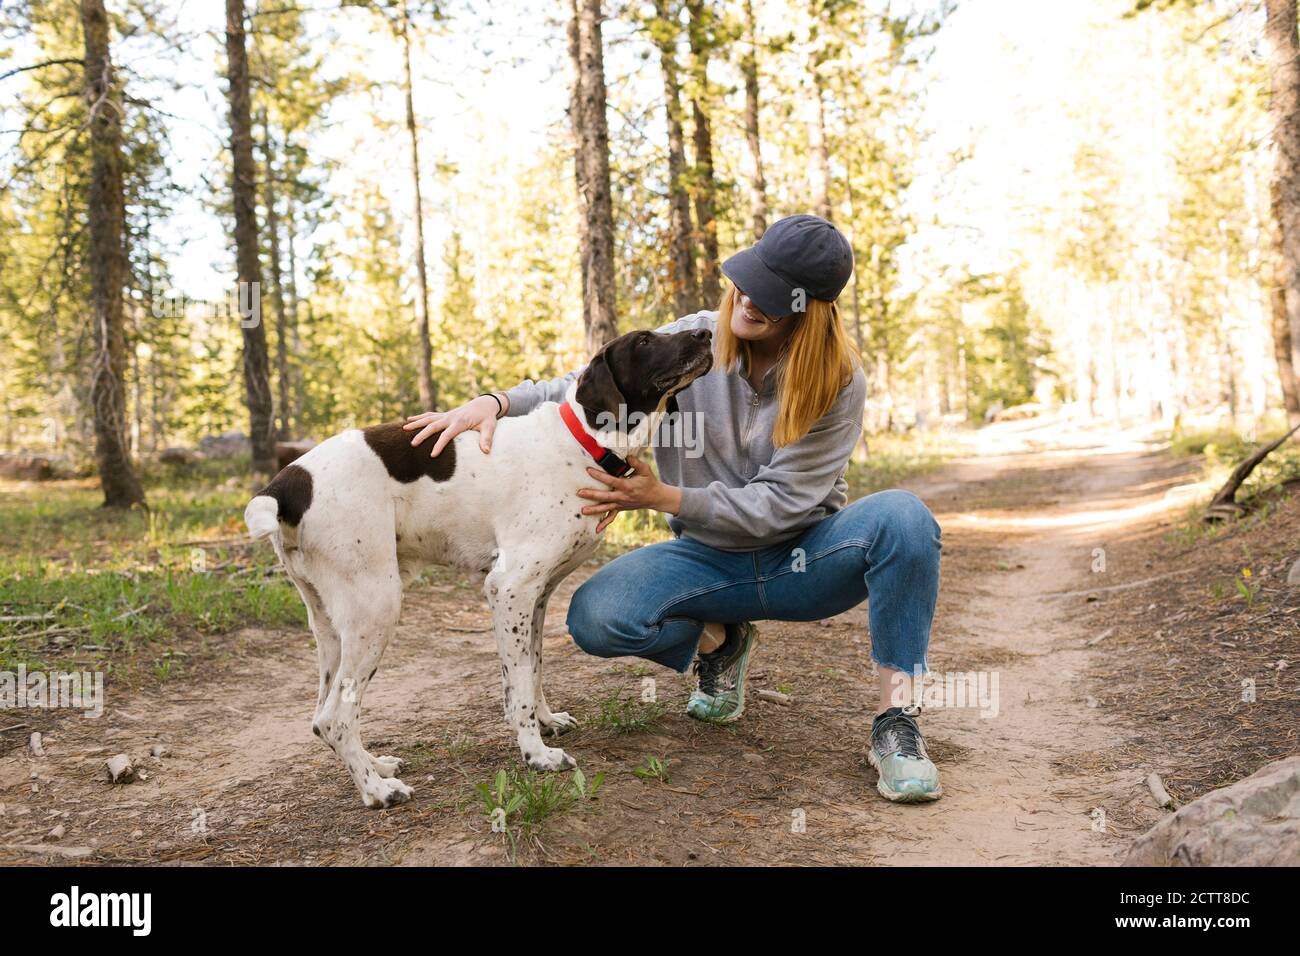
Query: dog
point(359, 514)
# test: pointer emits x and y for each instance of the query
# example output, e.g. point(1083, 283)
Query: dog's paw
point(558, 723)
point(387, 792)
point(549, 758)
point(388, 766)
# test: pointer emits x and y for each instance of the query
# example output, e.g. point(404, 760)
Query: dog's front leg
point(513, 597)
point(553, 722)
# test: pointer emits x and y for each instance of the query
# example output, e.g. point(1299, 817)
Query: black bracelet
point(501, 409)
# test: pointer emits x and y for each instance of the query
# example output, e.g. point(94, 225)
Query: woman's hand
point(641, 489)
point(479, 414)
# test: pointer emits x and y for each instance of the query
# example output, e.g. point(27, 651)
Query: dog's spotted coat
point(356, 516)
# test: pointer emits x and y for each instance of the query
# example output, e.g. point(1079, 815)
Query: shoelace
point(707, 669)
point(899, 733)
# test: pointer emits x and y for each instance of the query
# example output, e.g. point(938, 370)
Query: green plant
point(1247, 587)
point(653, 769)
point(518, 804)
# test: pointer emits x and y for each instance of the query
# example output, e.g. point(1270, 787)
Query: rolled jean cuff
point(905, 668)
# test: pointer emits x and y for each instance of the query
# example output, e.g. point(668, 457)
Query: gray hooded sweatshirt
point(739, 492)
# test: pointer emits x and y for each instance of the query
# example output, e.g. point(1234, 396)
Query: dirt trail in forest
point(244, 780)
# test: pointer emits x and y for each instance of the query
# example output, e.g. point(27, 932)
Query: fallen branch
point(1224, 505)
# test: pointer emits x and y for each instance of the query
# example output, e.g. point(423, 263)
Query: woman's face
point(749, 323)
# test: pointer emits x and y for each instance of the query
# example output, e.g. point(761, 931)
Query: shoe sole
point(740, 696)
point(900, 796)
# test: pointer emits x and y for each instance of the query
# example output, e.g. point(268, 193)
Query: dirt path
point(244, 781)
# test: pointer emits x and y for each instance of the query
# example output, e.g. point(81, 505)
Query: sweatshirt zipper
point(749, 424)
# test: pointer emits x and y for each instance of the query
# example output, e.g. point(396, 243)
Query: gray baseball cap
point(796, 253)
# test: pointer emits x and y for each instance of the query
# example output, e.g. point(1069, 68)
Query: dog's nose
point(702, 334)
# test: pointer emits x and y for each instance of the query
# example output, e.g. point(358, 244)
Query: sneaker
point(898, 753)
point(720, 696)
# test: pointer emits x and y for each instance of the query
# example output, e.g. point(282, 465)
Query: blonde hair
point(819, 361)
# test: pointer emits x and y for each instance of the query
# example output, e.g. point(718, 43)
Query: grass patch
point(135, 594)
point(55, 616)
point(627, 716)
point(518, 804)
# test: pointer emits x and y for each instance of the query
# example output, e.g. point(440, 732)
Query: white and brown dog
point(353, 518)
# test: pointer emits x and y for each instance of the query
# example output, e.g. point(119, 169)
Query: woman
point(761, 521)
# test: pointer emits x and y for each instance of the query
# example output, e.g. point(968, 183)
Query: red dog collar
point(608, 460)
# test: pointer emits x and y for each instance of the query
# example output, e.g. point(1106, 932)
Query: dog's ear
point(597, 390)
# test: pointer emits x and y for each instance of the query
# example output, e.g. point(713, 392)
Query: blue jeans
point(654, 602)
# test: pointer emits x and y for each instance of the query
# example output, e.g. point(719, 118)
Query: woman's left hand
point(641, 489)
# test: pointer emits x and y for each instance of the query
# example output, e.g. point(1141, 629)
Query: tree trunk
point(121, 487)
point(819, 169)
point(681, 259)
point(1284, 70)
point(428, 389)
point(579, 157)
point(291, 313)
point(757, 184)
point(701, 26)
point(1283, 345)
point(277, 282)
point(593, 188)
point(257, 386)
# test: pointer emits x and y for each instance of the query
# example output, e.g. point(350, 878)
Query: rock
point(752, 758)
point(120, 769)
point(26, 467)
point(1293, 576)
point(58, 832)
point(1254, 822)
point(178, 456)
point(35, 744)
point(227, 445)
point(158, 750)
point(286, 452)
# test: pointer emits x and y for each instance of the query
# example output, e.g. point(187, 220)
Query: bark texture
point(121, 487)
point(591, 131)
point(257, 386)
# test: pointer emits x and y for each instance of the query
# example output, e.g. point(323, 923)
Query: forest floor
point(1114, 629)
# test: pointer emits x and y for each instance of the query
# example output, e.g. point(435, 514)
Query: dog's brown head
point(641, 372)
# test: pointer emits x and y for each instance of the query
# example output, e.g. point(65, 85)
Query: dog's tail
point(277, 510)
point(262, 516)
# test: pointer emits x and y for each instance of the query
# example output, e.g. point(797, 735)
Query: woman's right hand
point(479, 414)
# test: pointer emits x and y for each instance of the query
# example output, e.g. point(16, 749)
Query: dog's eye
point(643, 340)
